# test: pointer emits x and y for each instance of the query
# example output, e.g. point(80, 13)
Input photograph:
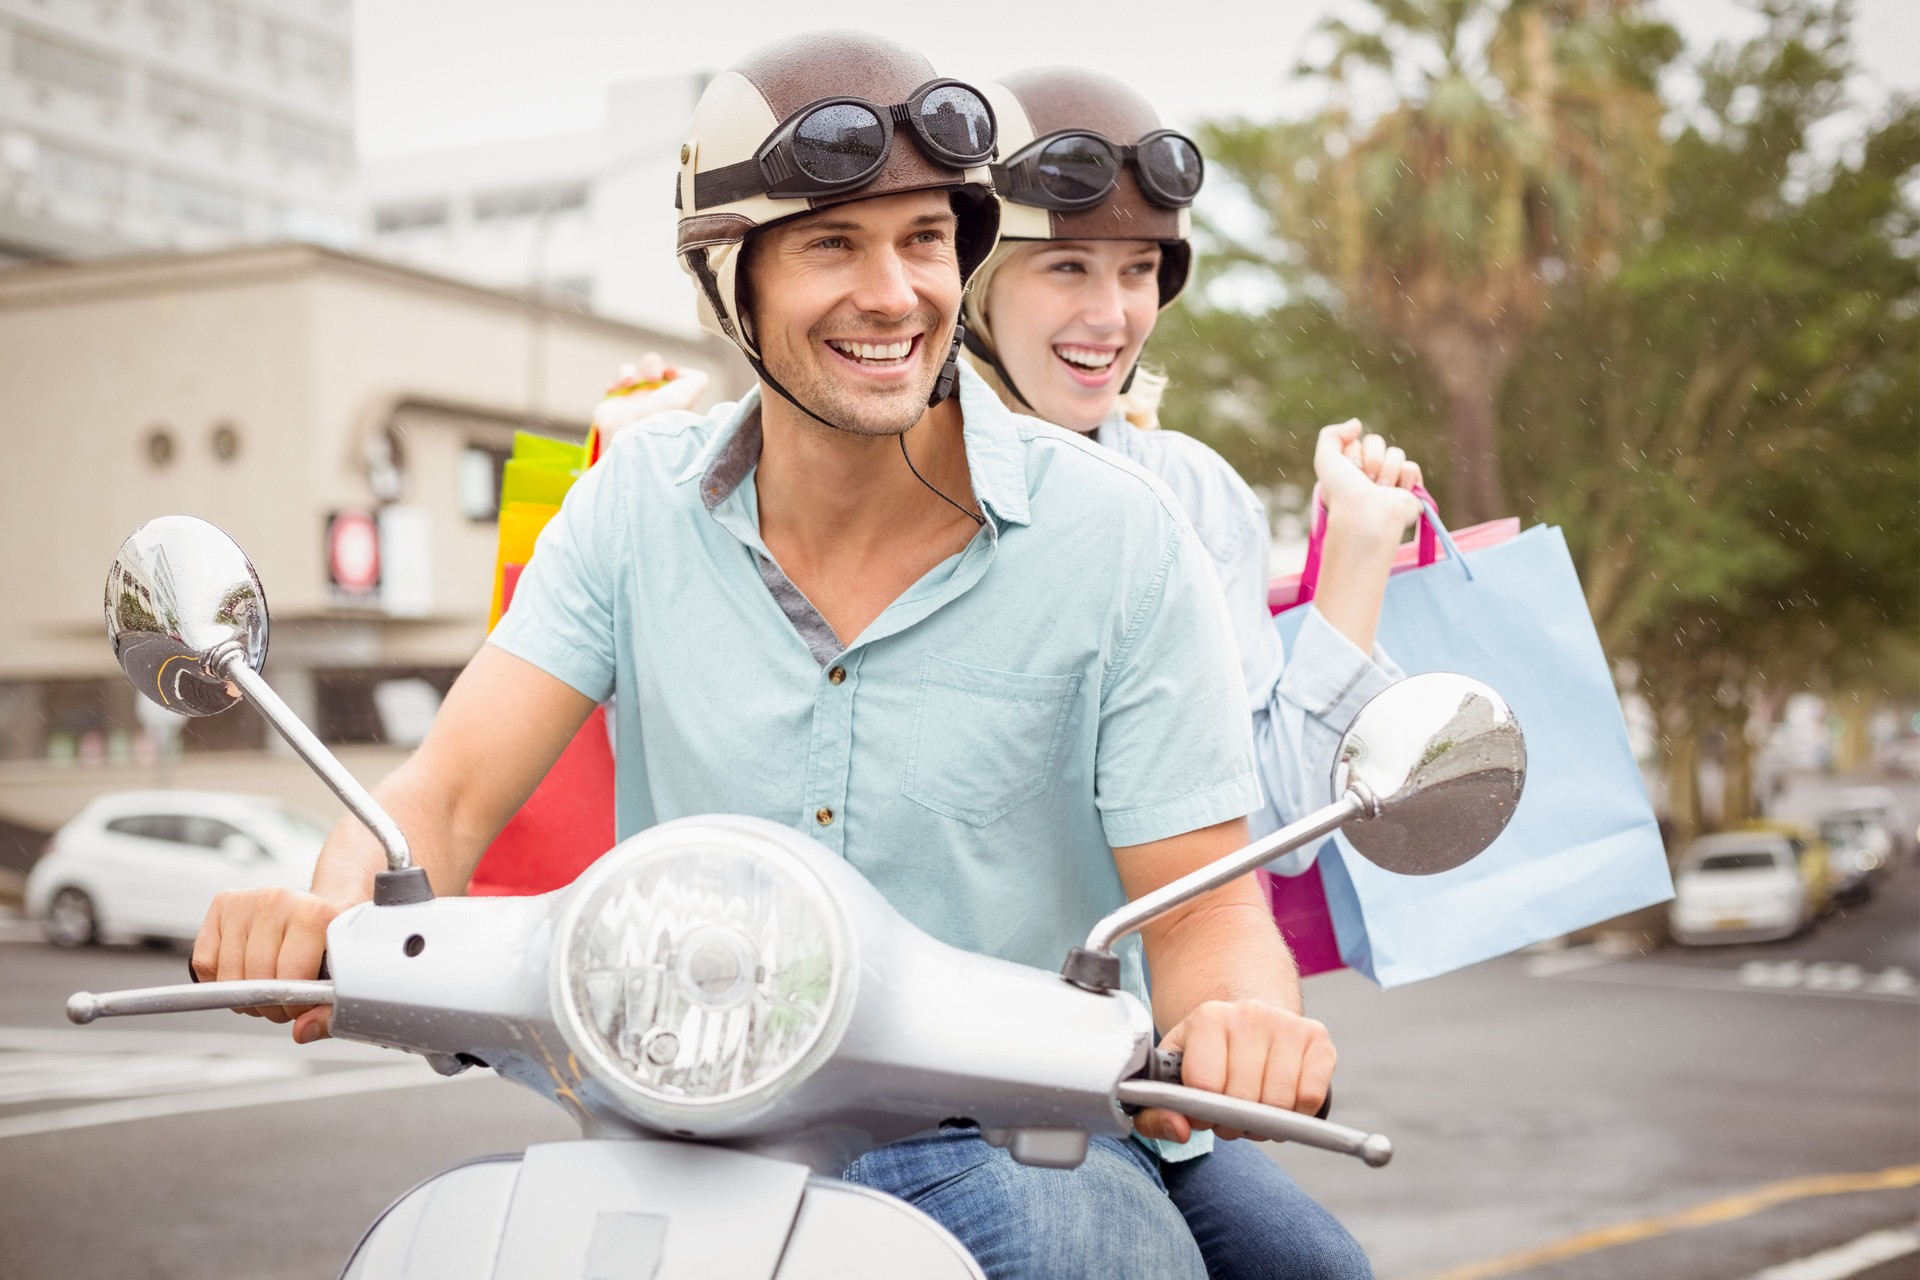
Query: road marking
point(333, 1084)
point(1551, 964)
point(40, 1077)
point(108, 1039)
point(1786, 977)
point(1711, 1213)
point(1849, 1259)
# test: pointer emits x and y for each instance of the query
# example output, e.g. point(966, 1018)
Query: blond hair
point(1139, 404)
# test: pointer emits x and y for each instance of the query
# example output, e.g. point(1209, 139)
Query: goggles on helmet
point(837, 144)
point(1076, 169)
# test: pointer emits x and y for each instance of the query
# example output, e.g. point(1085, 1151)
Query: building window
point(296, 142)
point(93, 722)
point(76, 173)
point(170, 16)
point(326, 64)
point(270, 39)
point(196, 203)
point(65, 67)
point(190, 109)
point(527, 202)
point(228, 29)
point(482, 469)
point(413, 215)
point(159, 446)
point(388, 706)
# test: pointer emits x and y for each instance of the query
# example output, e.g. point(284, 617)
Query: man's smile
point(884, 355)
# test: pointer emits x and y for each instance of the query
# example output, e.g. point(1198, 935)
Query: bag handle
point(1433, 536)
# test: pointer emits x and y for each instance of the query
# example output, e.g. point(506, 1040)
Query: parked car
point(1901, 756)
point(1859, 852)
point(1879, 808)
point(1745, 886)
point(146, 864)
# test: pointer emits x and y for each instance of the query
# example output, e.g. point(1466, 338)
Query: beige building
point(269, 390)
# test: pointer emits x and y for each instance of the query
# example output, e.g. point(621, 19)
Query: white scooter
point(731, 1012)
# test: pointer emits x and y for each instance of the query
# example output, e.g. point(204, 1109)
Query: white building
point(584, 217)
point(152, 124)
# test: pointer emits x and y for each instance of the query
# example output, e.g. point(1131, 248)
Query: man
point(978, 657)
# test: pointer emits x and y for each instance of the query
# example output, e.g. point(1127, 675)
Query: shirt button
point(837, 675)
point(823, 816)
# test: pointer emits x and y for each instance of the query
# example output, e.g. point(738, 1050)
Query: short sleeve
point(561, 615)
point(1176, 749)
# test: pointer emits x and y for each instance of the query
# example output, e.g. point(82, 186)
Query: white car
point(1743, 886)
point(146, 864)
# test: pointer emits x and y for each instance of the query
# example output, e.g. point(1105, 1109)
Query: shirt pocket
point(984, 742)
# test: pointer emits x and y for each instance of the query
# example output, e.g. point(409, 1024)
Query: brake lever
point(1163, 1066)
point(85, 1006)
point(1256, 1118)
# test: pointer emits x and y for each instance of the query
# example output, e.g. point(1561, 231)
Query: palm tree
point(1522, 147)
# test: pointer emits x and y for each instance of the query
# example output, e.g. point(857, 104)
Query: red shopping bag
point(565, 824)
point(1299, 903)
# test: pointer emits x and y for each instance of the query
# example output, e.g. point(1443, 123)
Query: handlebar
point(84, 1006)
point(1257, 1118)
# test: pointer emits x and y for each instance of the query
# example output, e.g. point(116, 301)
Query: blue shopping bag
point(1583, 845)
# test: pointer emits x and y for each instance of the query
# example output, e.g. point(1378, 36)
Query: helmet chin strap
point(984, 352)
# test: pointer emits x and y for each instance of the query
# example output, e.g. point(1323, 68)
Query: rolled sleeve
point(561, 615)
point(1175, 752)
point(1325, 682)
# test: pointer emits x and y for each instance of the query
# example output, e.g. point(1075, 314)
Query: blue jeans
point(1253, 1222)
point(1122, 1214)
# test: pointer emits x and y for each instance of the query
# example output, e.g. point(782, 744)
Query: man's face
point(854, 306)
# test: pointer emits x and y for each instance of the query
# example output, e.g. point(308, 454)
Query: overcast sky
point(444, 73)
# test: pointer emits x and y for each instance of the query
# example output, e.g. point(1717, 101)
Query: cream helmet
point(817, 120)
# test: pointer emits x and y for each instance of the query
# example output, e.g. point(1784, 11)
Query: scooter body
point(651, 1210)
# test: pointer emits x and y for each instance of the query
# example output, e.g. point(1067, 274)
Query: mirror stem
point(232, 665)
point(1096, 967)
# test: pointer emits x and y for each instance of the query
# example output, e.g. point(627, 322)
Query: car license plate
point(1732, 922)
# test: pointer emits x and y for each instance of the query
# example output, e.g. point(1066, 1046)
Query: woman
point(1094, 244)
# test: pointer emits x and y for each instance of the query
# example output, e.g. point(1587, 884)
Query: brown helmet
point(1084, 157)
point(818, 120)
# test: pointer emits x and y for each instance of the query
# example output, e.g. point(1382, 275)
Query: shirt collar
point(731, 454)
point(996, 451)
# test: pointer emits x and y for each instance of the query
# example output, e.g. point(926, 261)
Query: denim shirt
point(1062, 687)
point(1301, 702)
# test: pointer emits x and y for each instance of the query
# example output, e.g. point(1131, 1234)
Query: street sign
point(353, 556)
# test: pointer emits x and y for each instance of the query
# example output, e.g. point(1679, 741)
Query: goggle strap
point(730, 183)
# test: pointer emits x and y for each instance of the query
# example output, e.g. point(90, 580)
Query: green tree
point(1525, 151)
point(1722, 420)
point(1726, 428)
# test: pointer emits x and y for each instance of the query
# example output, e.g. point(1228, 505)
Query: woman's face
point(1069, 318)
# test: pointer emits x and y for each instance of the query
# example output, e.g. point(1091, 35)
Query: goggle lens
point(838, 142)
point(1173, 164)
point(1077, 168)
point(955, 119)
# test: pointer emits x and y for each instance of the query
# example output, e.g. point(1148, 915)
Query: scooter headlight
point(703, 969)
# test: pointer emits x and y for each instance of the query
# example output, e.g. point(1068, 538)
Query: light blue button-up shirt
point(1065, 685)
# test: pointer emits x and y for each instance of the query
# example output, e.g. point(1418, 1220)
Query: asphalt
point(1533, 1101)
